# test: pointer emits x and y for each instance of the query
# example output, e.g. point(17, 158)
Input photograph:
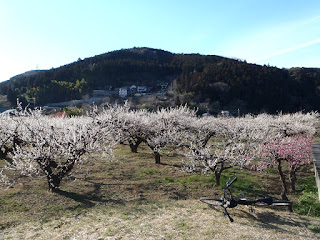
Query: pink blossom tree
point(240, 141)
point(295, 150)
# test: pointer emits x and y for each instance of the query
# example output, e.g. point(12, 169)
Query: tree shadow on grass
point(270, 219)
point(87, 200)
point(274, 221)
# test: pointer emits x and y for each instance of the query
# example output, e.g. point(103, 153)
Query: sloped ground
point(133, 198)
point(182, 219)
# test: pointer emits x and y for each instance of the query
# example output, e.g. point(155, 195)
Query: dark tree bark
point(156, 154)
point(206, 139)
point(134, 144)
point(56, 173)
point(293, 178)
point(54, 179)
point(218, 172)
point(3, 153)
point(284, 184)
point(156, 157)
point(217, 177)
point(5, 149)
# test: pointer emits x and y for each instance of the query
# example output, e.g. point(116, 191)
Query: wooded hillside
point(219, 82)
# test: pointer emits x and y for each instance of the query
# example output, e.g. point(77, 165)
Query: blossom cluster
point(36, 143)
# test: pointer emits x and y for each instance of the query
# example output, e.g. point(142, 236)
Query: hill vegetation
point(199, 80)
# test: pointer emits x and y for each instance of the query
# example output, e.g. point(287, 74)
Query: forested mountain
point(217, 81)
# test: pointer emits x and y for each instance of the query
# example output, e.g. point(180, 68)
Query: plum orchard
point(236, 142)
point(52, 146)
point(242, 141)
point(156, 129)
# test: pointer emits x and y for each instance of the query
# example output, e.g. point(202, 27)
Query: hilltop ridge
point(200, 80)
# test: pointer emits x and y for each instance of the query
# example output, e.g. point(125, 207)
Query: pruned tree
point(291, 143)
point(294, 150)
point(9, 134)
point(155, 129)
point(54, 145)
point(132, 128)
point(236, 142)
point(160, 128)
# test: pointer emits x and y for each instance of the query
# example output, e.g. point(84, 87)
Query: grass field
point(133, 198)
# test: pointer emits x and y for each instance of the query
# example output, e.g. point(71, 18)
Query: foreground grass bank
point(133, 198)
point(171, 219)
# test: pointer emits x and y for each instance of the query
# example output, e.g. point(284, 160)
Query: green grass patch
point(149, 171)
point(2, 163)
point(182, 225)
point(308, 204)
point(190, 181)
point(196, 178)
point(314, 228)
point(169, 179)
point(8, 204)
point(316, 140)
point(246, 183)
point(122, 151)
point(307, 184)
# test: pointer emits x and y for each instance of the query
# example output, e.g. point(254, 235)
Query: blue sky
point(47, 34)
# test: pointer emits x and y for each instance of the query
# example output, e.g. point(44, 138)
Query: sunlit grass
point(131, 197)
point(169, 219)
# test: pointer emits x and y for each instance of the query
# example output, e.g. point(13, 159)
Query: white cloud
point(303, 45)
point(265, 43)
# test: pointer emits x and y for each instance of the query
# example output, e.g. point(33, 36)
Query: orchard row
point(33, 143)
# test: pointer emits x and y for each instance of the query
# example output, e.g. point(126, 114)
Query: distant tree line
point(220, 82)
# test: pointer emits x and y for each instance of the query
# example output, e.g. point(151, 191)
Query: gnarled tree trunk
point(284, 184)
point(218, 172)
point(156, 154)
point(156, 157)
point(293, 178)
point(134, 144)
point(54, 172)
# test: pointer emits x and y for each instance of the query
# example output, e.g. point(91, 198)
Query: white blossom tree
point(133, 127)
point(9, 136)
point(7, 130)
point(155, 129)
point(236, 142)
point(161, 128)
point(54, 145)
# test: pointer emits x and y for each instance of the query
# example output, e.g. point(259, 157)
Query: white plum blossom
point(52, 146)
point(238, 141)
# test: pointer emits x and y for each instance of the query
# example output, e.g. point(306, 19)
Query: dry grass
point(132, 198)
point(183, 219)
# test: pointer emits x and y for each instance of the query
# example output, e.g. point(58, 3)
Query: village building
point(123, 92)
